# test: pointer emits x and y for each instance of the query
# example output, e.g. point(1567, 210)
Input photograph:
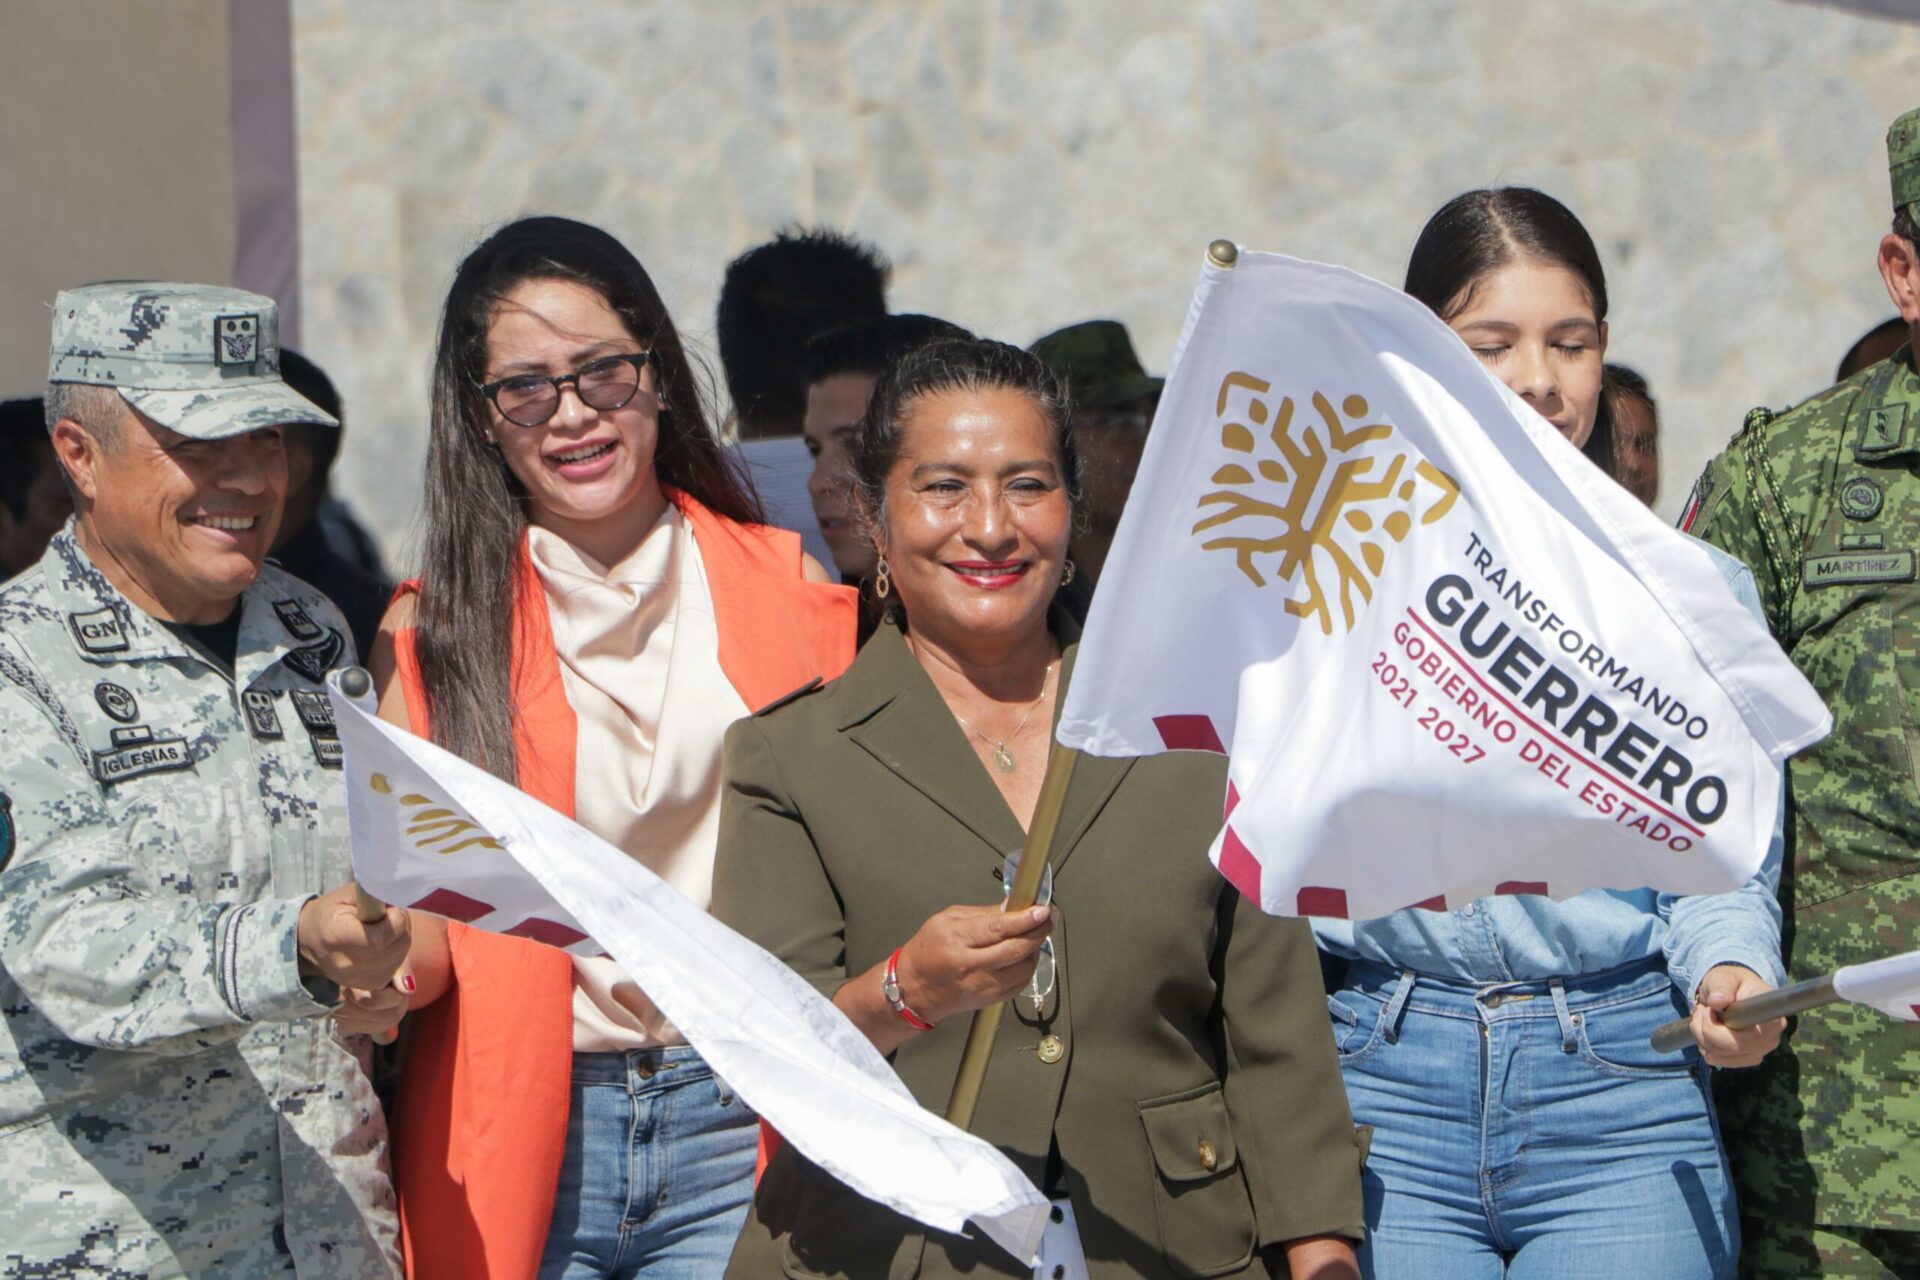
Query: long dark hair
point(1478, 232)
point(475, 507)
point(966, 364)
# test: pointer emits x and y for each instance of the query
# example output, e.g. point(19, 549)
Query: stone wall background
point(1029, 163)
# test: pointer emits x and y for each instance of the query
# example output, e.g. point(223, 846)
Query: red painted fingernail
point(407, 984)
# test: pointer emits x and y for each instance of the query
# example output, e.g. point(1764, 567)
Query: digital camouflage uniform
point(1823, 503)
point(172, 1099)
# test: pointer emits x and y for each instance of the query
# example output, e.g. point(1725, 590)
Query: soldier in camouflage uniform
point(1823, 503)
point(174, 1099)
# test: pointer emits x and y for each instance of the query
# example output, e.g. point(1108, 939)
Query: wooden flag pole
point(356, 683)
point(1671, 1037)
point(1034, 856)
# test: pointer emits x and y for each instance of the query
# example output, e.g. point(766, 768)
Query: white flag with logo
point(1445, 655)
point(430, 830)
point(1891, 985)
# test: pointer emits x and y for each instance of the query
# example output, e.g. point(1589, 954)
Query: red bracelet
point(890, 988)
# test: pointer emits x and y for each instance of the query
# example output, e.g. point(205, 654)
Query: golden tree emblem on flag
point(431, 824)
point(1317, 494)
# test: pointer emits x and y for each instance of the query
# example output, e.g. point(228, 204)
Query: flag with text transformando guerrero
point(1445, 655)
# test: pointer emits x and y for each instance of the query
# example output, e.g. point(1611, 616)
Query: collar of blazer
point(894, 712)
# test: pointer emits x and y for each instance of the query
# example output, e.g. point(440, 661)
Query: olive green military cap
point(1903, 159)
point(200, 360)
point(1095, 359)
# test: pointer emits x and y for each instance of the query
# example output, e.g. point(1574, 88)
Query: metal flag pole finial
point(1223, 253)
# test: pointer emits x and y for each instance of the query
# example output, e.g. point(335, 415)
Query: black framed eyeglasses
point(529, 399)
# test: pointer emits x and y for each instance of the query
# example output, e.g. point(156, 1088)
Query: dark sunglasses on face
point(529, 399)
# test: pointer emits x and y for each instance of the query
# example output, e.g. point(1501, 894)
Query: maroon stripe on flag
point(551, 932)
point(1431, 904)
point(1189, 733)
point(1233, 799)
point(1522, 886)
point(1318, 900)
point(1240, 867)
point(454, 906)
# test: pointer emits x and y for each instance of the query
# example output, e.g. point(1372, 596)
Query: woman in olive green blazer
point(1178, 1084)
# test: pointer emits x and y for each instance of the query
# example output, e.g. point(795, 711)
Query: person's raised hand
point(966, 958)
point(1720, 1044)
point(336, 944)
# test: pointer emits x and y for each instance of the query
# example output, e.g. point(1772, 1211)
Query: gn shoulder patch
point(795, 696)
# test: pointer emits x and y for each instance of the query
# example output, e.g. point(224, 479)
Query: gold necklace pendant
point(1003, 757)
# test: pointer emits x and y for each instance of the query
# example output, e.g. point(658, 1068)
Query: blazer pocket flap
point(1190, 1135)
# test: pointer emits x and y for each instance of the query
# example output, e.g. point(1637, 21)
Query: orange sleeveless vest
point(480, 1124)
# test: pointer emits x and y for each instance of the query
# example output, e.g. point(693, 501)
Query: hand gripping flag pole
point(1891, 985)
point(356, 683)
point(1034, 857)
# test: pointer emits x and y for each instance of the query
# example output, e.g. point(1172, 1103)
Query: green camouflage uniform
point(172, 1099)
point(1823, 503)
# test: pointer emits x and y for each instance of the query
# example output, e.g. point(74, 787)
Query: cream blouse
point(640, 661)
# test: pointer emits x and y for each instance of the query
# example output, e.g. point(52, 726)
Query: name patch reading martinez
point(1845, 567)
point(128, 763)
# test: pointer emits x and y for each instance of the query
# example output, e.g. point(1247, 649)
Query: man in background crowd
point(1823, 504)
point(1113, 403)
point(1636, 432)
point(774, 299)
point(304, 549)
point(33, 497)
point(842, 367)
point(176, 918)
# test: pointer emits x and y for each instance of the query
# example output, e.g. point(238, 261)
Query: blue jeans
point(1529, 1130)
point(658, 1171)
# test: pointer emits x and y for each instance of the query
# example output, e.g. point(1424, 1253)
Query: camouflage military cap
point(1903, 158)
point(1095, 359)
point(199, 360)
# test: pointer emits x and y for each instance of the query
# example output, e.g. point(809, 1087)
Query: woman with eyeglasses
point(597, 604)
point(1165, 1071)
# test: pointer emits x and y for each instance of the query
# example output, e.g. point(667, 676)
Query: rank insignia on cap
point(262, 720)
point(116, 702)
point(295, 620)
point(236, 339)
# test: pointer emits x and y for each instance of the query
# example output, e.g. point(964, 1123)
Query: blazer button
point(1209, 1158)
point(1052, 1049)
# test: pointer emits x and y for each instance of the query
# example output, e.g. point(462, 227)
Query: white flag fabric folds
point(1446, 656)
point(430, 830)
point(1891, 985)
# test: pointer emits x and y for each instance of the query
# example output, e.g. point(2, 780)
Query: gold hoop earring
point(1066, 573)
point(882, 579)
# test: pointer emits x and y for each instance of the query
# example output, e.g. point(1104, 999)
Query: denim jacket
point(1524, 936)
